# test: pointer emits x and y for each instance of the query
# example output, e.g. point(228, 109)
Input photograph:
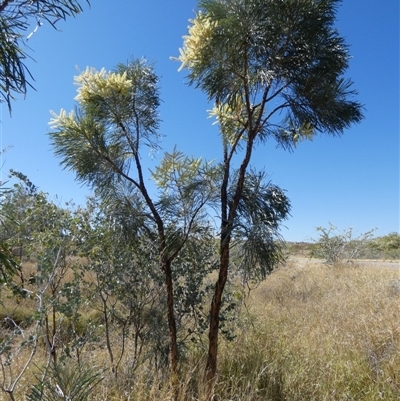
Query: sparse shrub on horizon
point(334, 246)
point(386, 247)
point(301, 249)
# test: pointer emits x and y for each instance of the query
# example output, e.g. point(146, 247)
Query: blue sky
point(351, 181)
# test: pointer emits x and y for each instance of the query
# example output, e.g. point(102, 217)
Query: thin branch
point(28, 362)
point(279, 91)
point(11, 388)
point(140, 185)
point(4, 5)
point(276, 109)
point(190, 225)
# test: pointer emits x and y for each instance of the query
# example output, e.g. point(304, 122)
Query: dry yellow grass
point(324, 334)
point(308, 332)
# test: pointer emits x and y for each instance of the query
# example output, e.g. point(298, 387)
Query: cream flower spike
point(92, 83)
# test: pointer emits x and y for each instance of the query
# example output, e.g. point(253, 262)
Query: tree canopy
point(245, 54)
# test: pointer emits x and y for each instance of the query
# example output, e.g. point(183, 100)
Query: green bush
point(386, 247)
point(334, 247)
point(69, 381)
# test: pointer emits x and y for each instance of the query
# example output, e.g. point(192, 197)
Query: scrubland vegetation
point(187, 292)
point(310, 331)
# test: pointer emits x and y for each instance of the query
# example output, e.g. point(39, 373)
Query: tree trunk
point(173, 345)
point(228, 213)
point(211, 367)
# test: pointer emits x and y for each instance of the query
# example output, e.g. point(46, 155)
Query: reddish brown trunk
point(211, 367)
point(228, 214)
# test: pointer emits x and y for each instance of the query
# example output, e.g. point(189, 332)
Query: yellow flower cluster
point(63, 120)
point(92, 83)
point(200, 32)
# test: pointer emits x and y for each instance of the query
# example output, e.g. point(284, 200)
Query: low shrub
point(335, 247)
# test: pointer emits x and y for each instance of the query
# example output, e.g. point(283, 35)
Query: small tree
point(333, 246)
point(103, 142)
point(124, 279)
point(274, 69)
point(42, 233)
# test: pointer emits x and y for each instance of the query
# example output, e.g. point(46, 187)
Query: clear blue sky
point(349, 181)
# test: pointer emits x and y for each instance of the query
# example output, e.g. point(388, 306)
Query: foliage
point(387, 246)
point(192, 270)
point(261, 209)
point(16, 18)
point(103, 140)
point(123, 282)
point(274, 69)
point(334, 247)
point(8, 263)
point(42, 234)
point(244, 54)
point(101, 258)
point(67, 381)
